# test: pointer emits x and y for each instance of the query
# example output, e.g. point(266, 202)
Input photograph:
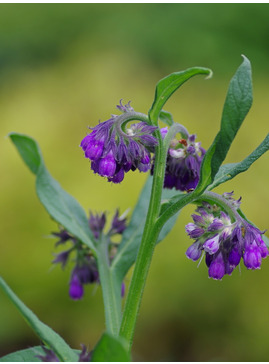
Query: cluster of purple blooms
point(85, 270)
point(183, 164)
point(224, 242)
point(114, 149)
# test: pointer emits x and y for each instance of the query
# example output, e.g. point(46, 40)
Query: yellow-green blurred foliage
point(64, 67)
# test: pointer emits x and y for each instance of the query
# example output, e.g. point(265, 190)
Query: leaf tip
point(210, 74)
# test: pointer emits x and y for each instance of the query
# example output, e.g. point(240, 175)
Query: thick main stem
point(145, 253)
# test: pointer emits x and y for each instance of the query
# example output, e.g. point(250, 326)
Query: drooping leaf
point(237, 104)
point(62, 207)
point(131, 239)
point(229, 171)
point(110, 349)
point(44, 332)
point(168, 85)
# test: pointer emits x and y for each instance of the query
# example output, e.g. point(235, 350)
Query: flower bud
point(76, 290)
point(194, 252)
point(107, 165)
point(95, 149)
point(211, 246)
point(252, 256)
point(234, 256)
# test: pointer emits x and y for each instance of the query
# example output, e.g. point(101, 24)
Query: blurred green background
point(64, 67)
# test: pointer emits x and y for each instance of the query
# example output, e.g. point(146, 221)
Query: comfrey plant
point(180, 172)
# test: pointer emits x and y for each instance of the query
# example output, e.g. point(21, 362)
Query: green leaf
point(110, 349)
point(237, 104)
point(131, 239)
point(166, 117)
point(168, 85)
point(26, 355)
point(229, 171)
point(44, 332)
point(62, 207)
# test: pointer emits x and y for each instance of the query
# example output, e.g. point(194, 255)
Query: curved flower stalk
point(114, 149)
point(85, 270)
point(224, 239)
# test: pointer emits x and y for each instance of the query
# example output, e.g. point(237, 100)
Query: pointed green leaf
point(62, 207)
point(110, 349)
point(229, 171)
point(237, 104)
point(168, 85)
point(44, 332)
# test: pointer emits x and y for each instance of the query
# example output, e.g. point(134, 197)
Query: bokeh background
point(64, 67)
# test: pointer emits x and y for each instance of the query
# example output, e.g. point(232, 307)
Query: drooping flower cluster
point(114, 149)
point(85, 270)
point(224, 242)
point(183, 164)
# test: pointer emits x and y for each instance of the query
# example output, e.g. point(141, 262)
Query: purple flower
point(194, 251)
point(194, 231)
point(62, 258)
point(217, 268)
point(97, 223)
point(235, 255)
point(224, 242)
point(114, 149)
point(76, 290)
point(118, 224)
point(63, 235)
point(84, 356)
point(49, 356)
point(107, 165)
point(252, 256)
point(211, 246)
point(183, 164)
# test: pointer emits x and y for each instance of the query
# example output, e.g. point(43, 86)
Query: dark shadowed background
point(64, 67)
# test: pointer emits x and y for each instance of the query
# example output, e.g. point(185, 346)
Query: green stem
point(146, 249)
point(111, 290)
point(223, 203)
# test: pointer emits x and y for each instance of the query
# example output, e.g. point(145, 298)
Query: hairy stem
point(146, 249)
